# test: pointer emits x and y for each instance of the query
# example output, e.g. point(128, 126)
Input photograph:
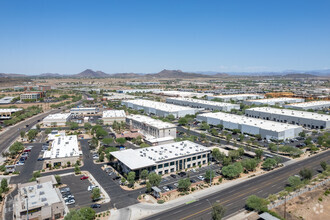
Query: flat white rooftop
point(310, 104)
point(114, 114)
point(63, 146)
point(6, 100)
point(83, 109)
point(58, 116)
point(10, 109)
point(158, 105)
point(236, 95)
point(271, 100)
point(182, 93)
point(151, 122)
point(243, 120)
point(150, 156)
point(205, 102)
point(43, 194)
point(293, 113)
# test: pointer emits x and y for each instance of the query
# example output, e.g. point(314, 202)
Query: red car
point(84, 177)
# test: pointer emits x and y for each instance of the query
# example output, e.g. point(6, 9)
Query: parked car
point(176, 185)
point(173, 176)
point(66, 189)
point(41, 159)
point(201, 178)
point(91, 187)
point(84, 177)
point(193, 170)
point(170, 187)
point(182, 174)
point(27, 150)
point(111, 173)
point(108, 169)
point(93, 206)
point(116, 178)
point(166, 189)
point(70, 202)
point(20, 163)
point(68, 197)
point(192, 181)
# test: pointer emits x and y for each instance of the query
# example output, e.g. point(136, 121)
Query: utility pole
point(210, 169)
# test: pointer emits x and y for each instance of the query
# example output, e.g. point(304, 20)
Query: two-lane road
point(233, 198)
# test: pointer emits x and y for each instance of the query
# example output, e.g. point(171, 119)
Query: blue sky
point(61, 36)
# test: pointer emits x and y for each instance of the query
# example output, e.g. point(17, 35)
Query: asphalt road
point(233, 198)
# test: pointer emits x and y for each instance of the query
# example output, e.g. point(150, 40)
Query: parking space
point(78, 189)
point(31, 163)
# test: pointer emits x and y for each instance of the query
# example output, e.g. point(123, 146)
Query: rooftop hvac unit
point(31, 188)
point(141, 155)
point(43, 199)
point(176, 154)
point(41, 193)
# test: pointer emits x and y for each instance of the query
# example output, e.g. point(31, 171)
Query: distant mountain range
point(88, 73)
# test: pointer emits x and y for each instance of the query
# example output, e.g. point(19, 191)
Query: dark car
point(182, 174)
point(41, 159)
point(193, 181)
point(93, 206)
point(173, 175)
point(116, 178)
point(170, 187)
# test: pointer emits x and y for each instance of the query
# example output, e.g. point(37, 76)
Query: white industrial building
point(109, 116)
point(163, 159)
point(5, 113)
point(63, 149)
point(84, 111)
point(159, 108)
point(155, 131)
point(138, 90)
point(205, 104)
point(117, 96)
point(56, 119)
point(235, 97)
point(267, 129)
point(273, 101)
point(182, 94)
point(315, 105)
point(303, 118)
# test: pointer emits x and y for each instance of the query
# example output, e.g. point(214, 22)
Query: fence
point(288, 198)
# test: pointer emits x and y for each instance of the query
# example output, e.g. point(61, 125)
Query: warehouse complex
point(303, 118)
point(310, 105)
point(109, 116)
point(156, 131)
point(84, 111)
point(163, 159)
point(182, 94)
point(56, 119)
point(273, 101)
point(267, 129)
point(198, 103)
point(159, 108)
point(138, 90)
point(235, 97)
point(63, 149)
point(39, 199)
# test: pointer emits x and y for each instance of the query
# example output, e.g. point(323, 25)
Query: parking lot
point(78, 189)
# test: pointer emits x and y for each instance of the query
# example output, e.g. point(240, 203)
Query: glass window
point(160, 166)
point(189, 159)
point(166, 165)
point(204, 155)
point(199, 157)
point(194, 158)
point(172, 163)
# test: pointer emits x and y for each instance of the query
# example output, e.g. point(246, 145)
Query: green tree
point(205, 126)
point(228, 137)
point(58, 179)
point(184, 184)
point(96, 194)
point(107, 141)
point(32, 134)
point(240, 151)
point(209, 175)
point(217, 155)
point(234, 154)
point(87, 126)
point(16, 148)
point(144, 175)
point(38, 127)
point(294, 182)
point(249, 164)
point(148, 187)
point(256, 203)
point(324, 165)
point(48, 130)
point(232, 171)
point(214, 132)
point(154, 179)
point(121, 141)
point(22, 133)
point(4, 185)
point(258, 137)
point(144, 145)
point(236, 131)
point(131, 178)
point(76, 169)
point(306, 174)
point(269, 164)
point(86, 213)
point(302, 134)
point(101, 157)
point(94, 143)
point(100, 132)
point(218, 211)
point(183, 121)
point(258, 153)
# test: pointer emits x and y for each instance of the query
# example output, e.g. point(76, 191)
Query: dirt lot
point(311, 205)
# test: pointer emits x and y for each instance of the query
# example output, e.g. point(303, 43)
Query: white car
point(69, 197)
point(70, 202)
point(165, 188)
point(91, 187)
point(201, 178)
